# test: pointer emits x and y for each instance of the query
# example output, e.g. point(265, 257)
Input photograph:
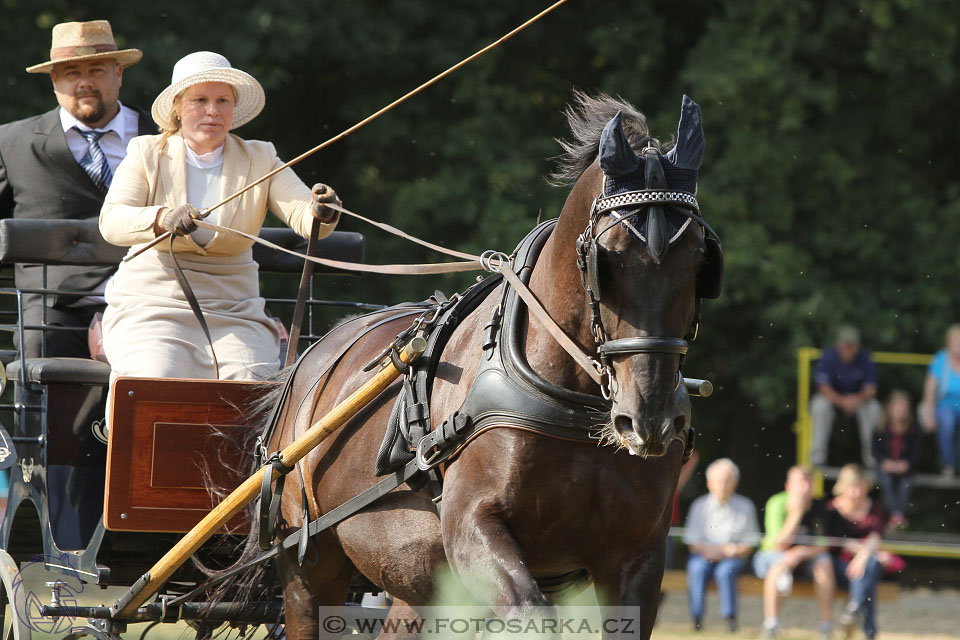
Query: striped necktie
point(95, 162)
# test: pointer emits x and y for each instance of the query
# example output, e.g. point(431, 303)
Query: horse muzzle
point(647, 438)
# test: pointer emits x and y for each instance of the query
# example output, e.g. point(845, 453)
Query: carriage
point(58, 538)
point(577, 340)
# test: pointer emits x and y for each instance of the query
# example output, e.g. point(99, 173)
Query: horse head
point(646, 257)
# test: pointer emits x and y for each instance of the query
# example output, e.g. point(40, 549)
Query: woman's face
point(854, 491)
point(206, 112)
point(953, 343)
point(899, 410)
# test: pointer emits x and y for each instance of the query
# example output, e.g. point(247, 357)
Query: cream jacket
point(153, 175)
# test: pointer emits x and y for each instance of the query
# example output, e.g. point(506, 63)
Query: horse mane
point(587, 115)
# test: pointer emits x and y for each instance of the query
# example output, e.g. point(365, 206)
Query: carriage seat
point(78, 242)
point(62, 371)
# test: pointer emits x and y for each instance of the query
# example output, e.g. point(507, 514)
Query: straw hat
point(206, 66)
point(85, 41)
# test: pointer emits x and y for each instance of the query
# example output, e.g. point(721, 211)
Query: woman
point(896, 448)
point(853, 516)
point(941, 399)
point(148, 328)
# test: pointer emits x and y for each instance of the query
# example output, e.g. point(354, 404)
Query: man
point(58, 166)
point(846, 382)
point(788, 515)
point(721, 530)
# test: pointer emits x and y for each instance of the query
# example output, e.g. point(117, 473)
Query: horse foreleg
point(302, 599)
point(633, 587)
point(487, 559)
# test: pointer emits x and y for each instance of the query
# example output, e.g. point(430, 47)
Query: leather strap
point(387, 269)
point(353, 505)
point(299, 309)
point(588, 364)
point(194, 305)
point(643, 344)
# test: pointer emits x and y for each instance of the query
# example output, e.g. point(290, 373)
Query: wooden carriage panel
point(166, 438)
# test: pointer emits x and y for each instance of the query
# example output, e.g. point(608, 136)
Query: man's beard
point(86, 113)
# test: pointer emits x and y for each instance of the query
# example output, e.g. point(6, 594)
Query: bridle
point(651, 202)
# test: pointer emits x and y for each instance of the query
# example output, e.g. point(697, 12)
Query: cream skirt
point(149, 329)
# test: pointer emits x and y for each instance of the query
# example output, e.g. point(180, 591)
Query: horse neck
point(556, 283)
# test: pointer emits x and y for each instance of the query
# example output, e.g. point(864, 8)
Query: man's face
point(721, 484)
point(88, 89)
point(848, 351)
point(799, 483)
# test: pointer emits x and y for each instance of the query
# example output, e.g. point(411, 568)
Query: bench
point(750, 584)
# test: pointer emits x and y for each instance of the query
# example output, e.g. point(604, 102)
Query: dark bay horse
point(518, 506)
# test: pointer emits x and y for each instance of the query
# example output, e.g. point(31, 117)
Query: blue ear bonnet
point(624, 170)
point(677, 180)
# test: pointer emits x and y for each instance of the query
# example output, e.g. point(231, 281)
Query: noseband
point(643, 201)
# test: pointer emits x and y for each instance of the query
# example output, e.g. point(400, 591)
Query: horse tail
point(258, 583)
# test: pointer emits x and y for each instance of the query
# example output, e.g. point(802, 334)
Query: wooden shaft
point(127, 604)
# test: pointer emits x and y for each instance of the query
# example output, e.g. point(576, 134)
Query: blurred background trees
point(830, 169)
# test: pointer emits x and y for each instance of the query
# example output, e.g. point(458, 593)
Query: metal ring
point(493, 261)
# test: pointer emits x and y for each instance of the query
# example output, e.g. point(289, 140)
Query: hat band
point(82, 50)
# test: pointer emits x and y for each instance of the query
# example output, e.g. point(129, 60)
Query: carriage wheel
point(11, 623)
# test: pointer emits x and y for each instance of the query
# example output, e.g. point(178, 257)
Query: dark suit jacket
point(40, 178)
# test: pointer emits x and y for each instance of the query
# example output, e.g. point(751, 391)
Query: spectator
point(941, 399)
point(846, 382)
point(686, 472)
point(896, 447)
point(788, 515)
point(858, 563)
point(58, 165)
point(721, 531)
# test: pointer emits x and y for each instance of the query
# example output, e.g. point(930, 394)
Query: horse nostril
point(623, 424)
point(676, 425)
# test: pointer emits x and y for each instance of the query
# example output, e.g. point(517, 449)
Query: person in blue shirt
point(846, 383)
point(941, 400)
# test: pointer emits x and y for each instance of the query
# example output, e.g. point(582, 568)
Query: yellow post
point(151, 581)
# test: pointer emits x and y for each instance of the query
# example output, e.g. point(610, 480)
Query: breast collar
point(507, 391)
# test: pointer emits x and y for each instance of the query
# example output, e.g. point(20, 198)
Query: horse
point(522, 507)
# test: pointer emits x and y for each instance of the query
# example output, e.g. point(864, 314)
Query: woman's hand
point(928, 417)
point(323, 195)
point(180, 220)
point(858, 566)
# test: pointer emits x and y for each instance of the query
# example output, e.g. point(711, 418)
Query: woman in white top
point(148, 328)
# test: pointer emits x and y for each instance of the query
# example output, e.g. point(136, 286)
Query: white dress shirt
point(124, 126)
point(204, 179)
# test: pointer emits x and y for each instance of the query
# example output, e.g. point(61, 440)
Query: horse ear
point(688, 154)
point(616, 155)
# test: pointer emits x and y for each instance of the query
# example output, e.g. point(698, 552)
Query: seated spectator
point(858, 563)
point(846, 382)
point(721, 531)
point(941, 400)
point(787, 515)
point(896, 447)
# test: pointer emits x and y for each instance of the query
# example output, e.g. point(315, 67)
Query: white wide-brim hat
point(206, 66)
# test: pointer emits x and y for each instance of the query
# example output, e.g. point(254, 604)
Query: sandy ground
point(920, 613)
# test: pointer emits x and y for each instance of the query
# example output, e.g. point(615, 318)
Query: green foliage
point(829, 172)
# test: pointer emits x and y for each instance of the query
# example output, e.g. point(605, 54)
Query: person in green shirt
point(789, 519)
